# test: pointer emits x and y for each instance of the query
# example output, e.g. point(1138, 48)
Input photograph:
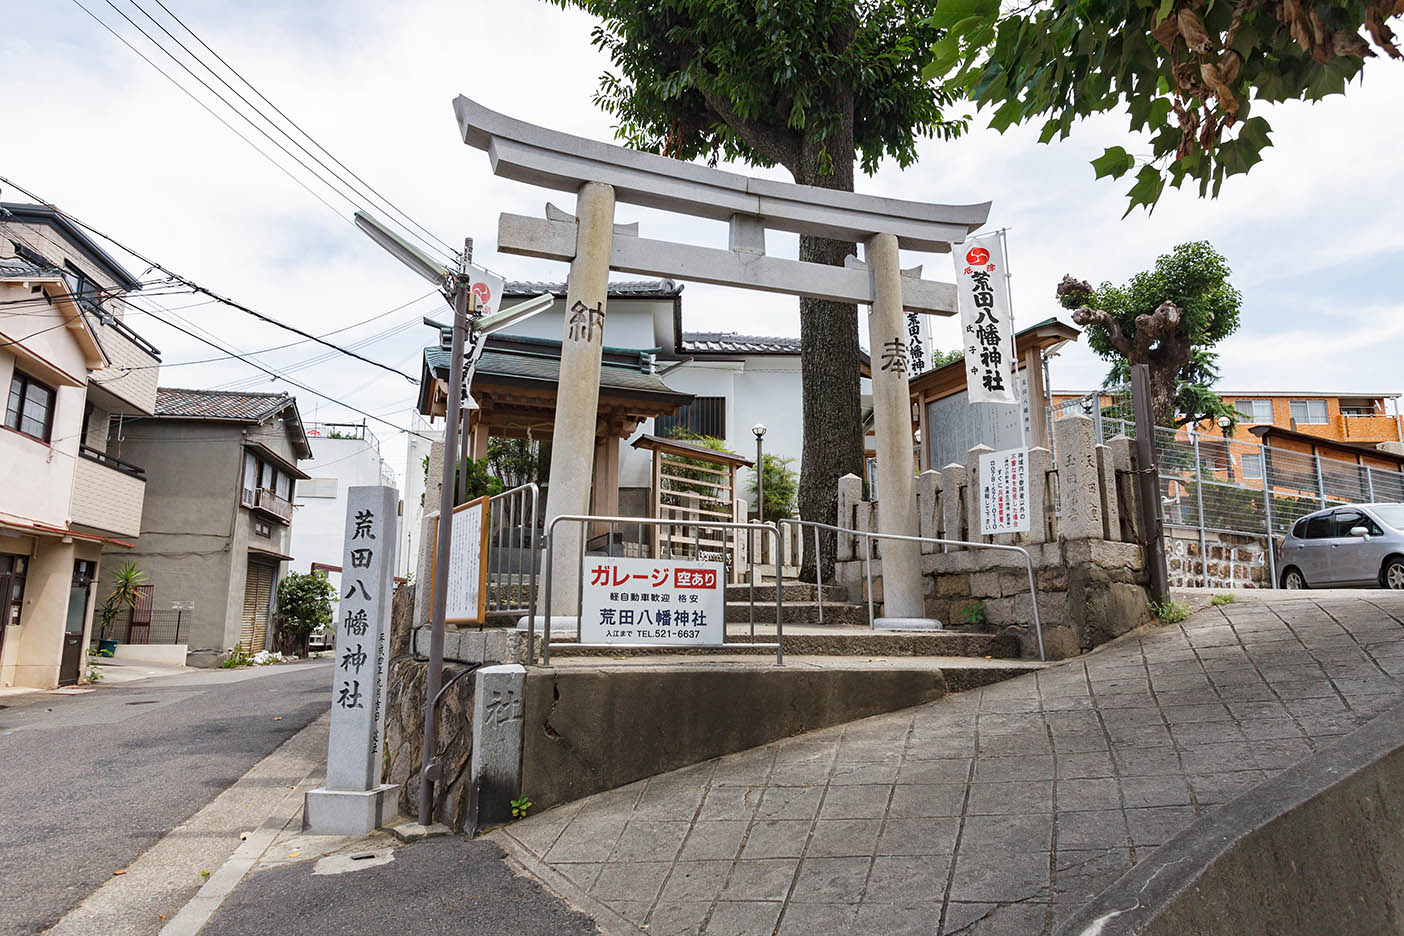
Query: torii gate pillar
point(892, 417)
point(578, 396)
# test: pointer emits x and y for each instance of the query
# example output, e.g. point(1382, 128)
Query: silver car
point(1355, 545)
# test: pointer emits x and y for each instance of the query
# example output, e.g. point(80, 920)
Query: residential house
point(344, 455)
point(216, 532)
point(69, 363)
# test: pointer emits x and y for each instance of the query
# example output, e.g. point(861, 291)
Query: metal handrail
point(528, 495)
point(868, 537)
point(583, 519)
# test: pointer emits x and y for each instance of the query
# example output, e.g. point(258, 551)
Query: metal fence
point(152, 626)
point(513, 558)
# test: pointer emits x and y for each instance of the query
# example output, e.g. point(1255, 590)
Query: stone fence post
point(1079, 479)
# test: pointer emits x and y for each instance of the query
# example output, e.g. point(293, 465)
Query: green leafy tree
point(1189, 72)
point(1195, 399)
point(941, 358)
point(1161, 318)
point(304, 603)
point(781, 487)
point(519, 461)
point(814, 87)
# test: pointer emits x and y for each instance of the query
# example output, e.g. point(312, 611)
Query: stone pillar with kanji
point(354, 801)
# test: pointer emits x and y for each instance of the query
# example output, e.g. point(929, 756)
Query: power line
point(196, 287)
point(452, 252)
point(274, 374)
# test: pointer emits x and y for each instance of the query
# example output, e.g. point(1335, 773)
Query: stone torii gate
point(601, 174)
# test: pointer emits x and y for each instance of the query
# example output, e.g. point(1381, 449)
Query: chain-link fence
point(1229, 499)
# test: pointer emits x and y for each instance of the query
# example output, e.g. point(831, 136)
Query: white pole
point(1013, 344)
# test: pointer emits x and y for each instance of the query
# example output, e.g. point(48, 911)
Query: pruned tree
point(814, 87)
point(1188, 72)
point(1167, 318)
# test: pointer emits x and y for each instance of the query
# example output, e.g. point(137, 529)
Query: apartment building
point(70, 365)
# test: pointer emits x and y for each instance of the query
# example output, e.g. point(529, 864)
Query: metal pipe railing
point(667, 523)
point(868, 537)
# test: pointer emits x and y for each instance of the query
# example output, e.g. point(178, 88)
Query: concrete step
point(793, 591)
point(797, 612)
point(851, 642)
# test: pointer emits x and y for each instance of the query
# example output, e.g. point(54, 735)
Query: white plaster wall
point(629, 323)
point(319, 523)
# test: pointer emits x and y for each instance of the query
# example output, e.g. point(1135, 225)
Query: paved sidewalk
point(996, 811)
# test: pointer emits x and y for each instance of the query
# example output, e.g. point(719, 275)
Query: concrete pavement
point(93, 780)
point(997, 811)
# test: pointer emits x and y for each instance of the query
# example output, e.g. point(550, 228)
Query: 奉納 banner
point(986, 322)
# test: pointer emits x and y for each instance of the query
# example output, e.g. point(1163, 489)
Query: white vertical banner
point(487, 288)
point(919, 348)
point(986, 319)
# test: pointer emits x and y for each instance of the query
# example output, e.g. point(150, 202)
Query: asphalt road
point(89, 782)
point(450, 886)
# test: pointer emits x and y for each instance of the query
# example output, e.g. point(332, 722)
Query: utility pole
point(1148, 484)
point(433, 678)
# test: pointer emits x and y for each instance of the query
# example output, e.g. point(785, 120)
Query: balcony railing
point(116, 464)
point(268, 502)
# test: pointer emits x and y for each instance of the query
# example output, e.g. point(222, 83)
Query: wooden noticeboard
point(467, 563)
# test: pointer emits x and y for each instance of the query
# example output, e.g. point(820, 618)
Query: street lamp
point(759, 430)
point(1224, 424)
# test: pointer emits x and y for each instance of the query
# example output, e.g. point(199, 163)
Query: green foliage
point(519, 461)
point(481, 483)
point(973, 613)
point(1186, 71)
point(1170, 611)
point(781, 487)
point(304, 603)
point(1223, 599)
point(94, 674)
point(803, 85)
point(693, 469)
point(941, 358)
point(126, 582)
point(238, 657)
point(520, 806)
point(1166, 317)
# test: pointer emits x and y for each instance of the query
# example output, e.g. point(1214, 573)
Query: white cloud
point(92, 127)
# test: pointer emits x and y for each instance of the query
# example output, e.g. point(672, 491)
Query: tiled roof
point(18, 266)
point(219, 404)
point(732, 343)
point(628, 289)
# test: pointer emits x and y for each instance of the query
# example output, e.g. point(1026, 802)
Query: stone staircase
point(967, 659)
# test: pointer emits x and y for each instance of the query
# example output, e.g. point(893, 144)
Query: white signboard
point(1004, 492)
point(986, 322)
point(653, 601)
point(467, 570)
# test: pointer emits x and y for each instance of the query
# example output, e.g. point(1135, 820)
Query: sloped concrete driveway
point(996, 811)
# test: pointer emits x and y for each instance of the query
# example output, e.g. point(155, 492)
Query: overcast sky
point(1313, 234)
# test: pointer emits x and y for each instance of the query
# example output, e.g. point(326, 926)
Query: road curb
point(197, 912)
point(521, 860)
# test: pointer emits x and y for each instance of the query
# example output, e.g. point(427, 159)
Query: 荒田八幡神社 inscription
point(363, 609)
point(653, 601)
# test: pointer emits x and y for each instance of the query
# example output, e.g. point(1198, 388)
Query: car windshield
point(1392, 514)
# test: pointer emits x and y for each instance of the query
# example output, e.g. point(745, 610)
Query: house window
point(703, 416)
point(1255, 411)
point(1253, 465)
point(81, 288)
point(31, 407)
point(262, 529)
point(12, 575)
point(1309, 412)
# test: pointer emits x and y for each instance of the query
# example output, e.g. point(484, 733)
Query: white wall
point(629, 323)
point(416, 448)
point(319, 523)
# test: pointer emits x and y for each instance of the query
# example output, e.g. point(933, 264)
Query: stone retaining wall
point(1083, 541)
point(1235, 560)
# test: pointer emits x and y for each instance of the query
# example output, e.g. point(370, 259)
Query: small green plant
point(781, 487)
point(520, 805)
point(973, 613)
point(94, 674)
point(1223, 599)
point(1170, 611)
point(238, 656)
point(127, 581)
point(205, 873)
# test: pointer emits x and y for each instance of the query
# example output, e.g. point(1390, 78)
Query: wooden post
point(1148, 484)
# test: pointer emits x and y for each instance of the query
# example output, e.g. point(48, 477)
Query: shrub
point(304, 602)
point(781, 487)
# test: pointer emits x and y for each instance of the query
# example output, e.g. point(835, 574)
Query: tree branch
point(1158, 326)
point(774, 143)
point(1087, 316)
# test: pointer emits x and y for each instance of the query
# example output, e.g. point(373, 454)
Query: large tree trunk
point(829, 366)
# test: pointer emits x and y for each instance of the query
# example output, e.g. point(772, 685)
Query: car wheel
point(1293, 578)
point(1393, 574)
